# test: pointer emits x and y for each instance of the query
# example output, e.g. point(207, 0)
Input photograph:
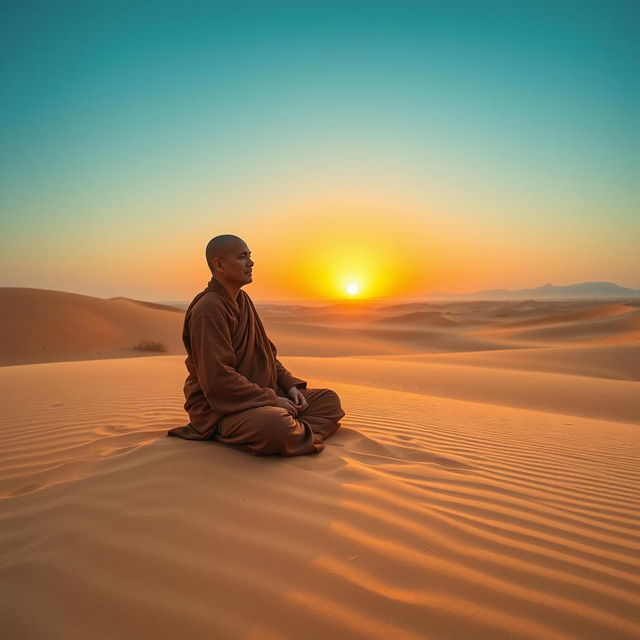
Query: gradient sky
point(407, 147)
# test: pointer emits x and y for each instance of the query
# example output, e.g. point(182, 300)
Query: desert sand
point(484, 482)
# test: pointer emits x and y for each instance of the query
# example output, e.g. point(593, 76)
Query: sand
point(37, 325)
point(479, 493)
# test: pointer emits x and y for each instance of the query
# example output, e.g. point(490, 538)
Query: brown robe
point(231, 362)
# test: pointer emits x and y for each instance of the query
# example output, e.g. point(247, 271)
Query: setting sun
point(352, 288)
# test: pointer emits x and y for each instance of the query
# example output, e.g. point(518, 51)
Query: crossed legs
point(268, 430)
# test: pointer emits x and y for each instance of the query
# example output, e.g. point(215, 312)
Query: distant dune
point(152, 305)
point(580, 290)
point(618, 361)
point(584, 313)
point(423, 318)
point(590, 328)
point(38, 325)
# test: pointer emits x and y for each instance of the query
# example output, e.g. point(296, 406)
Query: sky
point(399, 147)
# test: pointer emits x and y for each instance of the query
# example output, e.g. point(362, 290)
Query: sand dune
point(584, 314)
point(331, 319)
point(309, 339)
point(619, 362)
point(48, 326)
point(424, 517)
point(37, 325)
point(318, 340)
point(617, 400)
point(423, 318)
point(621, 328)
point(151, 305)
point(484, 483)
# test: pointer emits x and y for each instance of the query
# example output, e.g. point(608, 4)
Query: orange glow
point(342, 254)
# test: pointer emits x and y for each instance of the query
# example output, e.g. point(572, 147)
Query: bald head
point(229, 259)
point(221, 247)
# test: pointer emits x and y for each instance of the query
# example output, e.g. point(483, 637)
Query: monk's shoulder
point(213, 307)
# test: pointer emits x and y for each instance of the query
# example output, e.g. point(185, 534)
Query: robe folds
point(231, 363)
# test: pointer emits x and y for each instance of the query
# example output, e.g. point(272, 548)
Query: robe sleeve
point(286, 379)
point(226, 390)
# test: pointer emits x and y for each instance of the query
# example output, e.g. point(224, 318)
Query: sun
point(352, 288)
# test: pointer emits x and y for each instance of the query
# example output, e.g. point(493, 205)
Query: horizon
point(381, 301)
point(427, 297)
point(393, 150)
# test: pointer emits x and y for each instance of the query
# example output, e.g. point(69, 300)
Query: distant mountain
point(580, 290)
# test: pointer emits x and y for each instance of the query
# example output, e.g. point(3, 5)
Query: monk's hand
point(287, 404)
point(298, 398)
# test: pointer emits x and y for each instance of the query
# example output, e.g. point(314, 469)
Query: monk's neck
point(232, 290)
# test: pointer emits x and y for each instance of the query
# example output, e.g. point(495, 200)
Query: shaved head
point(221, 247)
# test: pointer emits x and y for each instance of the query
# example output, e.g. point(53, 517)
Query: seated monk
point(237, 391)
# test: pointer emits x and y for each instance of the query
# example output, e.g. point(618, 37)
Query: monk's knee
point(335, 411)
point(278, 430)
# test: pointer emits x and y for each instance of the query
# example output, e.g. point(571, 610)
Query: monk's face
point(238, 264)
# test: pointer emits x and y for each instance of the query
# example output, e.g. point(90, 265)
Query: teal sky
point(502, 136)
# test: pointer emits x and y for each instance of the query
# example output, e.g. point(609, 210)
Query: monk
point(237, 391)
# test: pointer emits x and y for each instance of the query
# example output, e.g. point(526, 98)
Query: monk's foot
point(318, 438)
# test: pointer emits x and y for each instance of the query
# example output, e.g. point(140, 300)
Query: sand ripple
point(424, 517)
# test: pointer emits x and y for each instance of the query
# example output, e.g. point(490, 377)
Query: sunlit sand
point(484, 483)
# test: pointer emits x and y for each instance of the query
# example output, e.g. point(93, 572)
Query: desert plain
point(484, 483)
